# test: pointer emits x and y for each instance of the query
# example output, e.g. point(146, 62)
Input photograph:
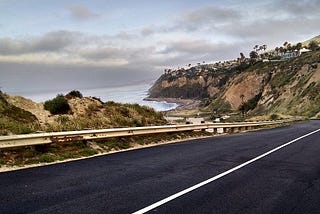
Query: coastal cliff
point(290, 87)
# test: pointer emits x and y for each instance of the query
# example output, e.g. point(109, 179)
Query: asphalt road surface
point(286, 180)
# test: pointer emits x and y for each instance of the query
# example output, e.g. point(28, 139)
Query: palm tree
point(241, 107)
point(299, 46)
point(242, 97)
point(289, 47)
point(277, 50)
point(285, 44)
point(253, 55)
point(264, 47)
point(282, 49)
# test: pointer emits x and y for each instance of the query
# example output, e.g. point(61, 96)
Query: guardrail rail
point(56, 137)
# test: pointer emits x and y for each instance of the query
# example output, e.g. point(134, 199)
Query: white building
point(290, 54)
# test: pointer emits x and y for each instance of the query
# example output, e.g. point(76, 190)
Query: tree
point(264, 47)
point(298, 46)
point(74, 94)
point(282, 49)
point(242, 97)
point(58, 105)
point(242, 102)
point(277, 49)
point(242, 57)
point(289, 47)
point(313, 45)
point(253, 55)
point(285, 44)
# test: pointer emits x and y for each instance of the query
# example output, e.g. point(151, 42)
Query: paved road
point(286, 181)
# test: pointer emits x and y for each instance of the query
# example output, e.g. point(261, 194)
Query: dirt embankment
point(36, 109)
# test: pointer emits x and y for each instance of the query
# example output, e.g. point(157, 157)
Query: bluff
point(290, 87)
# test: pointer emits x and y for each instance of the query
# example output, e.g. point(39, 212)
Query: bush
point(58, 105)
point(46, 158)
point(73, 94)
point(274, 117)
point(250, 104)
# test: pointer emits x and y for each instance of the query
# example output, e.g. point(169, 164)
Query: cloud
point(207, 17)
point(58, 59)
point(80, 13)
point(192, 46)
point(203, 34)
point(102, 53)
point(147, 31)
point(304, 8)
point(276, 29)
point(50, 42)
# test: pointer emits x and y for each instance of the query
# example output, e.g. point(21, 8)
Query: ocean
point(124, 94)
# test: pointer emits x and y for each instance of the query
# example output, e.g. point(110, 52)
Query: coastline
point(183, 104)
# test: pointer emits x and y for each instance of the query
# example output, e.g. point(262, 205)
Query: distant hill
point(316, 39)
point(290, 87)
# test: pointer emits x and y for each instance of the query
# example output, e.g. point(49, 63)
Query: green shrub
point(74, 94)
point(46, 158)
point(88, 152)
point(136, 123)
point(250, 104)
point(2, 161)
point(58, 105)
point(274, 117)
point(8, 126)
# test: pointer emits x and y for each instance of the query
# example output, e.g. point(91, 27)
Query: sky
point(50, 45)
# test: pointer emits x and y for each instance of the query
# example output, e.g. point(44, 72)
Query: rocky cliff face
point(199, 82)
point(288, 87)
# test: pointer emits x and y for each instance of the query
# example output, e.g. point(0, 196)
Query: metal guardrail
point(56, 137)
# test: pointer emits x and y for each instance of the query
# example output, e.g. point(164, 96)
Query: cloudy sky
point(63, 44)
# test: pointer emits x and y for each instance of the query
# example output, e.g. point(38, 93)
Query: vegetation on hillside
point(289, 85)
point(58, 105)
point(75, 112)
point(14, 120)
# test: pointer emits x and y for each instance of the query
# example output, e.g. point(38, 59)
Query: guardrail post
point(215, 130)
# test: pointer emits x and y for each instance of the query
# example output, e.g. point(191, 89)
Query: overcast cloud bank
point(88, 45)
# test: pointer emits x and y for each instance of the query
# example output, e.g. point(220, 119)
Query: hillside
point(290, 87)
point(20, 115)
point(315, 39)
point(14, 119)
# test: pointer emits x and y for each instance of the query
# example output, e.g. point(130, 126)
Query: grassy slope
point(92, 115)
point(294, 91)
point(15, 120)
point(107, 115)
point(292, 85)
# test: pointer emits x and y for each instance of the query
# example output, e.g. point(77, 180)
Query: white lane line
point(172, 197)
